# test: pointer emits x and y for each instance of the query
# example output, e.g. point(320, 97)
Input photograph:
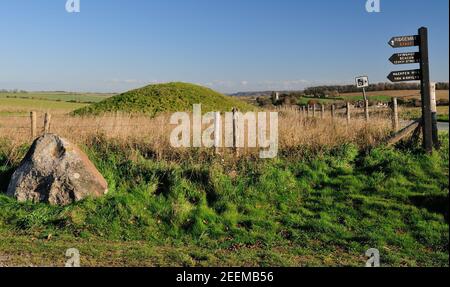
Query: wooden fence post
point(333, 111)
point(33, 125)
point(322, 110)
point(314, 110)
point(307, 111)
point(348, 112)
point(47, 120)
point(366, 110)
point(435, 131)
point(235, 131)
point(217, 132)
point(395, 122)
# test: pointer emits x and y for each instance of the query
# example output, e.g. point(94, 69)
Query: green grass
point(305, 100)
point(415, 113)
point(322, 209)
point(171, 97)
point(343, 98)
point(376, 98)
point(13, 106)
point(57, 96)
point(442, 118)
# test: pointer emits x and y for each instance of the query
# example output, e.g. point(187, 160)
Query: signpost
point(403, 76)
point(405, 58)
point(363, 82)
point(422, 75)
point(425, 89)
point(404, 41)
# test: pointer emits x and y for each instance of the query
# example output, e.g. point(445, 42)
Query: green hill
point(170, 97)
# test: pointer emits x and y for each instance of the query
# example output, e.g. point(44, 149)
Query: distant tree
point(263, 101)
point(442, 86)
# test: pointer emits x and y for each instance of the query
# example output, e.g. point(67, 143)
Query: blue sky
point(229, 45)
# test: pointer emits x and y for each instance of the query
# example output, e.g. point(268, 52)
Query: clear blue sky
point(229, 45)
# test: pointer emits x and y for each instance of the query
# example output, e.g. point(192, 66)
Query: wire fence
point(27, 122)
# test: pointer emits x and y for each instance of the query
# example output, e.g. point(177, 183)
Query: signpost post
point(422, 75)
point(425, 89)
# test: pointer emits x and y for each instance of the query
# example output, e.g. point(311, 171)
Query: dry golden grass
point(151, 136)
point(297, 130)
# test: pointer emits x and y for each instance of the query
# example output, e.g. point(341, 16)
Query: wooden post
point(427, 125)
point(435, 131)
point(395, 122)
point(314, 110)
point(364, 94)
point(333, 111)
point(322, 111)
point(403, 133)
point(217, 132)
point(33, 125)
point(366, 109)
point(348, 112)
point(47, 120)
point(235, 131)
point(307, 111)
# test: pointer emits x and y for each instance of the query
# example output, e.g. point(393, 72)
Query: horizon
point(238, 92)
point(227, 46)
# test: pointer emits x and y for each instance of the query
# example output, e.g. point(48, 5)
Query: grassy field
point(58, 96)
point(382, 96)
point(305, 100)
point(16, 106)
point(415, 113)
point(385, 96)
point(334, 192)
point(327, 199)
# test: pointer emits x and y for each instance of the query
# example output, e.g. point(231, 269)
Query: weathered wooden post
point(427, 124)
point(348, 113)
point(322, 111)
point(435, 131)
point(366, 109)
point(333, 111)
point(217, 132)
point(307, 111)
point(47, 120)
point(314, 110)
point(235, 131)
point(395, 122)
point(33, 125)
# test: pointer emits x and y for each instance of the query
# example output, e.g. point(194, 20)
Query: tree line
point(335, 90)
point(15, 91)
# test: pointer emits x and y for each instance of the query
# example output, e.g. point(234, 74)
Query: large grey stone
point(56, 172)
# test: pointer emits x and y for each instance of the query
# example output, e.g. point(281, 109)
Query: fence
point(316, 119)
point(320, 111)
